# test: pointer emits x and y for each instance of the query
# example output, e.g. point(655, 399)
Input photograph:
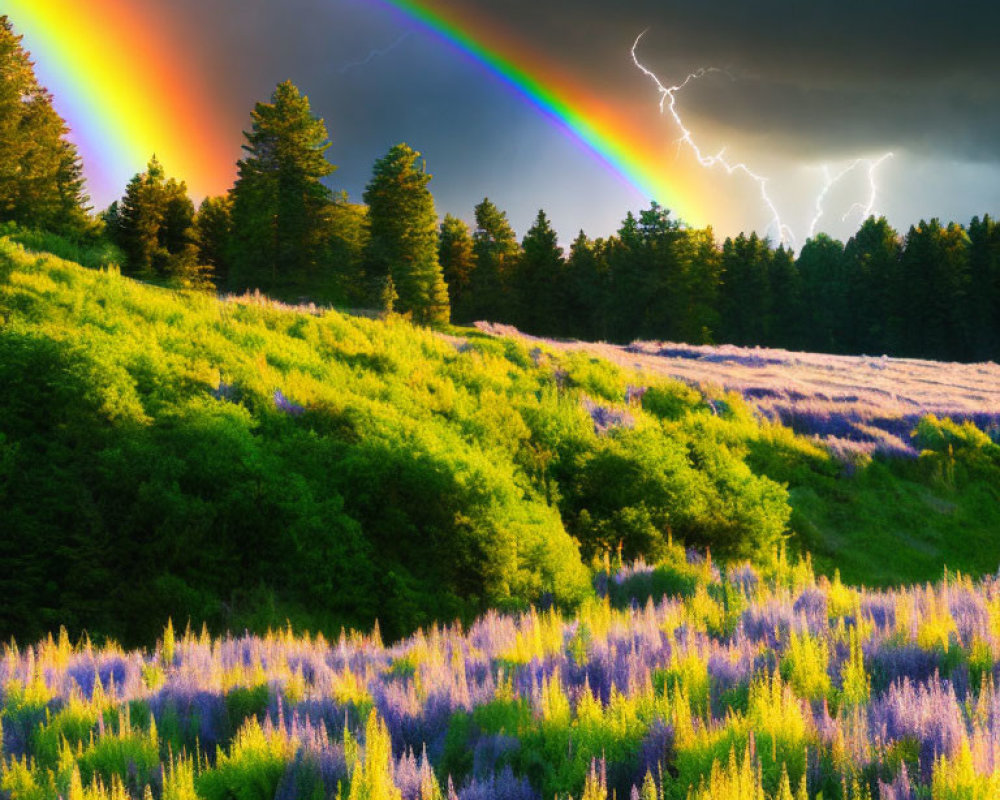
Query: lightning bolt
point(374, 54)
point(668, 104)
point(829, 181)
point(866, 210)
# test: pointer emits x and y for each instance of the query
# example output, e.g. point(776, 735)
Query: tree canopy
point(403, 228)
point(41, 176)
point(281, 208)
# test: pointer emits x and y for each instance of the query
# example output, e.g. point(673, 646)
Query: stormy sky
point(805, 84)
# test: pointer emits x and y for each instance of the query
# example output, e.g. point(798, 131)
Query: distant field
point(853, 403)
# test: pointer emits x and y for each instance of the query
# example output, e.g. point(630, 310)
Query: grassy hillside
point(901, 505)
point(242, 463)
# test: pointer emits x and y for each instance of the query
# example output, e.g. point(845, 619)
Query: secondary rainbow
point(637, 153)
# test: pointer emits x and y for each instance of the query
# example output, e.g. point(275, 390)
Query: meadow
point(578, 578)
point(856, 405)
point(229, 460)
point(683, 681)
point(885, 517)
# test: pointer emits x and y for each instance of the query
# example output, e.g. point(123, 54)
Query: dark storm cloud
point(817, 76)
point(820, 74)
point(808, 80)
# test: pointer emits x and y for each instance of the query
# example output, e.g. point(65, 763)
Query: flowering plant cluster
point(682, 680)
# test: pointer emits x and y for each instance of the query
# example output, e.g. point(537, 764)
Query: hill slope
point(242, 463)
point(892, 515)
point(239, 462)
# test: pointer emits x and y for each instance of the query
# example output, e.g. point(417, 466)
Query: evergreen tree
point(786, 300)
point(822, 269)
point(280, 207)
point(539, 299)
point(495, 248)
point(41, 178)
point(984, 288)
point(457, 262)
point(214, 228)
point(586, 289)
point(404, 235)
point(347, 240)
point(935, 279)
point(745, 293)
point(872, 265)
point(626, 269)
point(154, 226)
point(660, 301)
point(699, 320)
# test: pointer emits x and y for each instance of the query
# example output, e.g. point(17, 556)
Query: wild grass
point(764, 685)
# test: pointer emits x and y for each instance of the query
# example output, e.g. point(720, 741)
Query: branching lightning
point(866, 209)
point(668, 104)
point(364, 62)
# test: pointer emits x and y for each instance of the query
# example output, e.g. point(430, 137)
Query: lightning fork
point(668, 104)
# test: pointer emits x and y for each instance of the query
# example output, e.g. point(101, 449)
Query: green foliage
point(538, 281)
point(403, 242)
point(244, 703)
point(182, 481)
point(281, 210)
point(154, 227)
point(95, 252)
point(249, 769)
point(457, 260)
point(41, 177)
point(371, 778)
point(122, 750)
point(495, 249)
point(213, 232)
point(228, 462)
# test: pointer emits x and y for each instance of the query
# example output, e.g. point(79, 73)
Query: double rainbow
point(122, 107)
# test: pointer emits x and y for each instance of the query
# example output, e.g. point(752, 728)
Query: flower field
point(679, 681)
point(856, 405)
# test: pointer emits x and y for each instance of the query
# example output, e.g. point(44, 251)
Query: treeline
point(933, 292)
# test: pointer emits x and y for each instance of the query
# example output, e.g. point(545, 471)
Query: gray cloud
point(819, 75)
point(813, 79)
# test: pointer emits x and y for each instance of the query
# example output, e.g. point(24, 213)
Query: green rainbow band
point(605, 137)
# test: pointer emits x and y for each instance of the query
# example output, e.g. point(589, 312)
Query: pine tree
point(745, 294)
point(496, 250)
point(280, 207)
point(539, 299)
point(586, 289)
point(457, 262)
point(984, 287)
point(934, 271)
point(627, 274)
point(214, 229)
point(154, 226)
point(872, 273)
point(404, 235)
point(786, 300)
point(41, 177)
point(822, 268)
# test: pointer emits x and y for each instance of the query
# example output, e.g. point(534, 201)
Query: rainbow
point(626, 143)
point(116, 78)
point(113, 69)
